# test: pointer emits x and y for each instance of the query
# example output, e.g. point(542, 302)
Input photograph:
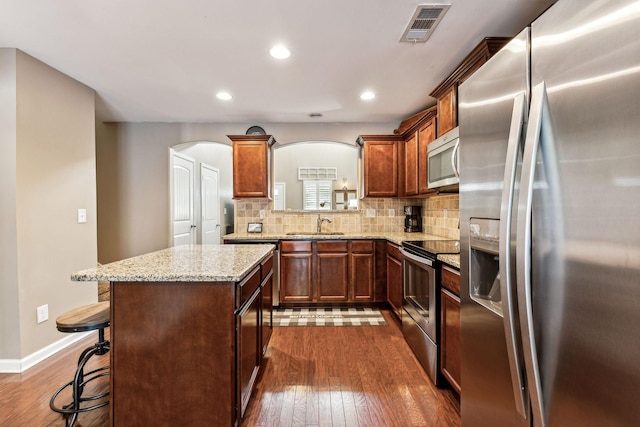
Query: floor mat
point(361, 316)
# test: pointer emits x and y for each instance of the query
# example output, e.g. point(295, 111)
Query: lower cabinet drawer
point(333, 246)
point(295, 246)
point(362, 246)
point(247, 287)
point(450, 279)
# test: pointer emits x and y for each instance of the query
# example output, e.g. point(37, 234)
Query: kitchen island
point(188, 331)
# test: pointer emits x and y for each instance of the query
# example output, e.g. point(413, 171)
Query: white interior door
point(210, 204)
point(182, 200)
point(279, 196)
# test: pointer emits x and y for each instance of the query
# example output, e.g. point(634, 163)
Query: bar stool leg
point(72, 410)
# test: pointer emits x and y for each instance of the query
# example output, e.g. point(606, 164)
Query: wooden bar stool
point(86, 318)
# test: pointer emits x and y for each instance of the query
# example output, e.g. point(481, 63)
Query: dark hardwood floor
point(24, 398)
point(346, 376)
point(312, 376)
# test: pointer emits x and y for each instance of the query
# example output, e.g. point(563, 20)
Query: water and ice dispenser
point(484, 266)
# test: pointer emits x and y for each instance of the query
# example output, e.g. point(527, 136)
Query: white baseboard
point(17, 366)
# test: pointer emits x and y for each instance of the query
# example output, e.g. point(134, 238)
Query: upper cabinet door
point(411, 165)
point(251, 165)
point(380, 165)
point(447, 110)
point(426, 134)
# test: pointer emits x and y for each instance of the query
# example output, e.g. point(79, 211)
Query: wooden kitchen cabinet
point(426, 134)
point(362, 261)
point(411, 165)
point(450, 348)
point(327, 271)
point(296, 273)
point(380, 158)
point(251, 165)
point(332, 271)
point(249, 347)
point(266, 268)
point(394, 278)
point(418, 131)
point(198, 340)
point(448, 110)
point(446, 93)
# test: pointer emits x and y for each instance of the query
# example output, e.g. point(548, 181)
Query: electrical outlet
point(371, 213)
point(392, 212)
point(82, 216)
point(42, 313)
point(261, 213)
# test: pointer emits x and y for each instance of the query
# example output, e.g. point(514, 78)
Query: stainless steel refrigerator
point(550, 223)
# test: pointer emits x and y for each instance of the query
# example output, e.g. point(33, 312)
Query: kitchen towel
point(361, 316)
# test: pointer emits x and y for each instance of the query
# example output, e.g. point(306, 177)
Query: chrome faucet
point(320, 220)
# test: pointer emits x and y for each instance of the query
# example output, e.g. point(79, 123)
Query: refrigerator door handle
point(506, 272)
point(538, 122)
point(454, 159)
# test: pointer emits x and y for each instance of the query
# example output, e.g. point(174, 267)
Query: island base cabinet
point(249, 349)
point(173, 355)
point(267, 311)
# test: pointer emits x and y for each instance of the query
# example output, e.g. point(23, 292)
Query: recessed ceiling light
point(367, 95)
point(225, 96)
point(279, 52)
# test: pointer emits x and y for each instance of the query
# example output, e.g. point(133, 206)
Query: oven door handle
point(415, 258)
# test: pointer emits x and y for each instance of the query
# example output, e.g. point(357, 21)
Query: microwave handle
point(454, 159)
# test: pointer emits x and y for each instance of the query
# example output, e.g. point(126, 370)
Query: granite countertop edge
point(452, 260)
point(189, 263)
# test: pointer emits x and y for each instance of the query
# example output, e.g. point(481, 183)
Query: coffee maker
point(413, 219)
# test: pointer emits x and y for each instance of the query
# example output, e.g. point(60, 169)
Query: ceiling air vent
point(423, 22)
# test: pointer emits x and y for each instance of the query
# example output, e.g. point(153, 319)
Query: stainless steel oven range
point(421, 305)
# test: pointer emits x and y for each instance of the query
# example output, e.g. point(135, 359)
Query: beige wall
point(133, 174)
point(9, 290)
point(54, 170)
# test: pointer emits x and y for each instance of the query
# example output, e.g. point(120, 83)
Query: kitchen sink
point(315, 233)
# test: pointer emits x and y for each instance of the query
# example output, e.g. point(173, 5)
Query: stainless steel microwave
point(442, 158)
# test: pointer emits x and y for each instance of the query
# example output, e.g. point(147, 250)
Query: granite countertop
point(394, 237)
point(189, 263)
point(452, 260)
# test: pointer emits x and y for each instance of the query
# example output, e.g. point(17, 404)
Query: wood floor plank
point(311, 376)
point(361, 376)
point(24, 398)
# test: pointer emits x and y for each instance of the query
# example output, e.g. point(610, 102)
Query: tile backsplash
point(440, 216)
